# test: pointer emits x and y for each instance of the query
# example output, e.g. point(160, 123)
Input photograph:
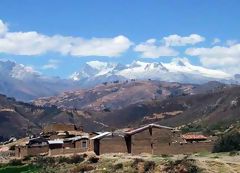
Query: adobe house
point(194, 138)
point(61, 131)
point(66, 140)
point(144, 139)
point(49, 128)
point(55, 144)
point(72, 145)
point(152, 138)
point(76, 142)
point(157, 139)
point(109, 142)
point(33, 147)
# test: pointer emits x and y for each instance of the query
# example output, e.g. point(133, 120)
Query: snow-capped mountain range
point(24, 83)
point(179, 70)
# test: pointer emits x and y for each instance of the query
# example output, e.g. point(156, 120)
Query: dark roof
point(37, 140)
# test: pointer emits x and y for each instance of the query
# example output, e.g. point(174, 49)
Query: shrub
point(63, 159)
point(82, 168)
point(233, 153)
point(136, 163)
point(15, 162)
point(149, 166)
point(184, 165)
point(44, 161)
point(118, 166)
point(93, 159)
point(27, 158)
point(165, 155)
point(76, 159)
point(12, 147)
point(85, 155)
point(228, 142)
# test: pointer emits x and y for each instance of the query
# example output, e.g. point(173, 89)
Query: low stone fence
point(34, 151)
point(60, 151)
point(5, 156)
point(9, 153)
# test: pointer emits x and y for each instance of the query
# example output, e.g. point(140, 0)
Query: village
point(61, 139)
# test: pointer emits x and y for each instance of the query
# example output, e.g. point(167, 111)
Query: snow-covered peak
point(237, 76)
point(6, 66)
point(182, 65)
point(137, 64)
point(98, 64)
point(180, 62)
point(24, 83)
point(179, 70)
point(155, 66)
point(17, 71)
point(95, 69)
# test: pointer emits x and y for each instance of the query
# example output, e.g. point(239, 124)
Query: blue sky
point(206, 32)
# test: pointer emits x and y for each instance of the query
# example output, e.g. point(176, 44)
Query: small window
point(84, 144)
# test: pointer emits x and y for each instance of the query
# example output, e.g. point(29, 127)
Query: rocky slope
point(21, 119)
point(118, 95)
point(138, 102)
point(201, 112)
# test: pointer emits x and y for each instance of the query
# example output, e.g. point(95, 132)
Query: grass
point(120, 163)
point(203, 154)
point(20, 169)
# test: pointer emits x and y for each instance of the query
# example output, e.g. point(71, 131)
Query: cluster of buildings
point(59, 139)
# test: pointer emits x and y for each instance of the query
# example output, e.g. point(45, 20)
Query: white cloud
point(176, 40)
point(149, 49)
point(3, 27)
point(33, 43)
point(21, 71)
point(101, 47)
point(52, 64)
point(217, 56)
point(216, 41)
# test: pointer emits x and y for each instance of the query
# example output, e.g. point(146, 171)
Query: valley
point(126, 104)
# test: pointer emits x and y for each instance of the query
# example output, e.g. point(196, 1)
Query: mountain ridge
point(24, 83)
point(179, 70)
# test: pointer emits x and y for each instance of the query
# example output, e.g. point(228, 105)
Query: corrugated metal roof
point(57, 141)
point(101, 135)
point(132, 132)
point(77, 138)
